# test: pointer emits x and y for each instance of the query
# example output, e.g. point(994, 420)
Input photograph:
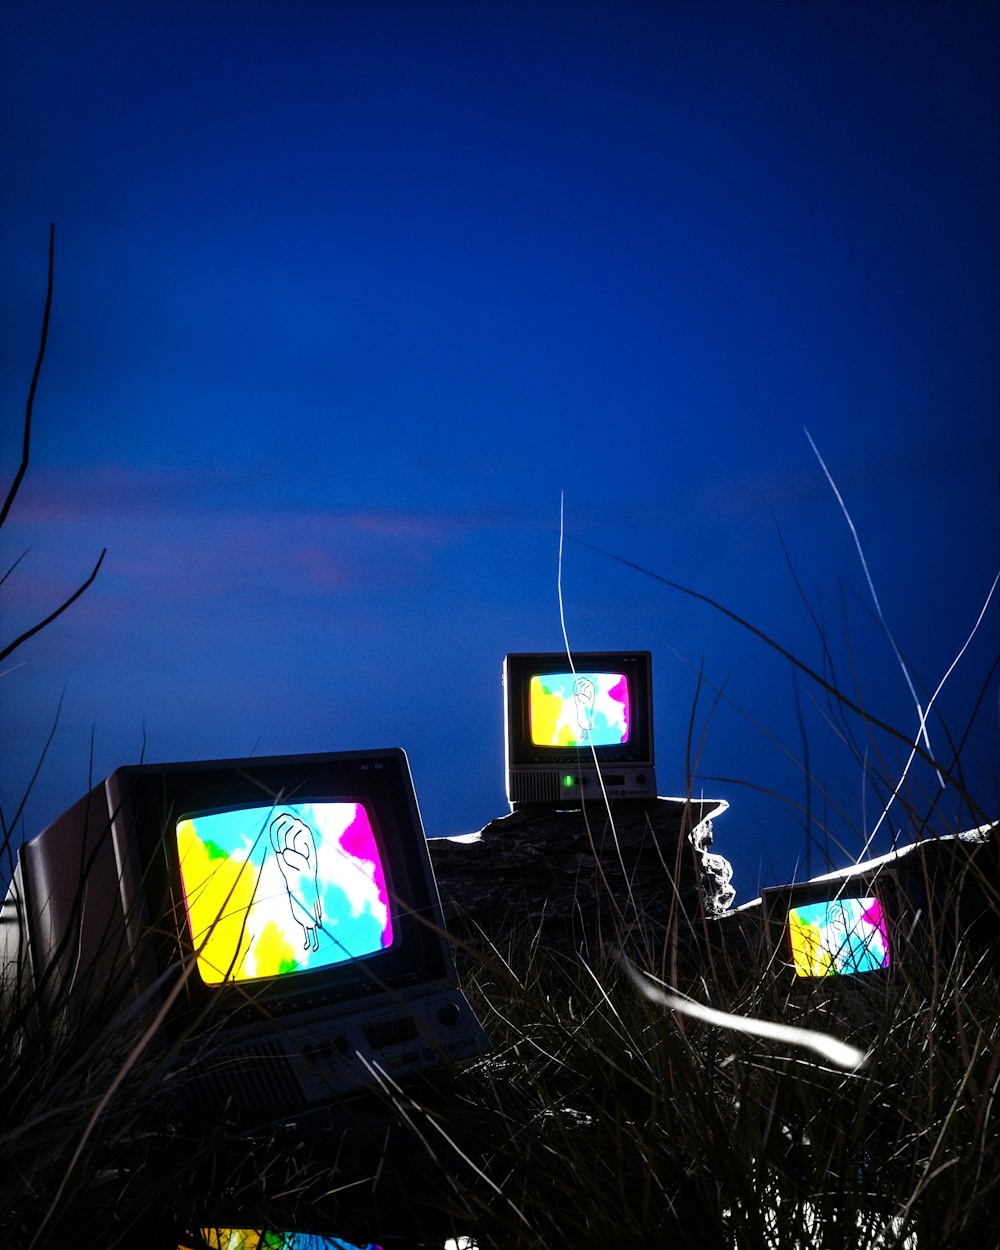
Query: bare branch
point(25, 453)
point(58, 612)
point(16, 484)
point(14, 565)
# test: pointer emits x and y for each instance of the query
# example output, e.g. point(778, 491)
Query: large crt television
point(278, 918)
point(576, 723)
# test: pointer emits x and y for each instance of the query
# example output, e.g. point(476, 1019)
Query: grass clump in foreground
point(611, 1120)
point(600, 1118)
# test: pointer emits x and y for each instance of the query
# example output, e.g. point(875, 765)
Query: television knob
point(341, 1044)
point(448, 1015)
point(640, 779)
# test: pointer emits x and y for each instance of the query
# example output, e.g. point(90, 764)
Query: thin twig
point(839, 695)
point(58, 612)
point(593, 750)
point(19, 476)
point(878, 606)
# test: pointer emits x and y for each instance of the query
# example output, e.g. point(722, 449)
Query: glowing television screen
point(264, 1239)
point(279, 917)
point(576, 724)
point(579, 709)
point(838, 937)
point(280, 890)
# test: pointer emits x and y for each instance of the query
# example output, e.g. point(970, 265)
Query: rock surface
point(577, 880)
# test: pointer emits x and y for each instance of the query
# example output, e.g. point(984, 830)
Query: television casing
point(94, 928)
point(566, 776)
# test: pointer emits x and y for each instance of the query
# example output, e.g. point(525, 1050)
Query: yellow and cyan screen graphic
point(259, 1239)
point(579, 709)
point(838, 937)
point(272, 891)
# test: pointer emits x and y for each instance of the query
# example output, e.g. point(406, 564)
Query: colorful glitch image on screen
point(579, 709)
point(277, 890)
point(838, 936)
point(257, 1239)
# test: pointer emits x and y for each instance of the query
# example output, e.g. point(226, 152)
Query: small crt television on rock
point(277, 917)
point(841, 926)
point(577, 722)
point(907, 911)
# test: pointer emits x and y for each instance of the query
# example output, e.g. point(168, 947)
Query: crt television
point(906, 909)
point(575, 721)
point(279, 916)
point(835, 927)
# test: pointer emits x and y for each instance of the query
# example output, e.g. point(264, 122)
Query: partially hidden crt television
point(903, 910)
point(278, 916)
point(575, 722)
point(840, 926)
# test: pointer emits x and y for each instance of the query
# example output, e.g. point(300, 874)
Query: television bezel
point(520, 667)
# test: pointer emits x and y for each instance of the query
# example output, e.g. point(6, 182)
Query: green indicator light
point(568, 781)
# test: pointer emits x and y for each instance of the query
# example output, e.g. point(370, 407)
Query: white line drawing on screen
point(585, 693)
point(838, 942)
point(295, 846)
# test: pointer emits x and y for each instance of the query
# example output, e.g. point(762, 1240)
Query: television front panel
point(572, 724)
point(283, 913)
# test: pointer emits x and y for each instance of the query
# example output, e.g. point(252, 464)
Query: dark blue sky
point(347, 294)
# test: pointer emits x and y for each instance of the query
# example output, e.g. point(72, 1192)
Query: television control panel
point(570, 786)
point(316, 1060)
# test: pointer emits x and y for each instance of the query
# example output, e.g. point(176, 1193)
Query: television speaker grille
point(258, 1075)
point(535, 787)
